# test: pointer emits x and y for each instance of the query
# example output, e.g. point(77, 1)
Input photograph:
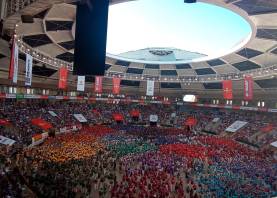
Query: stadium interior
point(160, 123)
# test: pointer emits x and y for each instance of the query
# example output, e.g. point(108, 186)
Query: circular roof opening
point(171, 31)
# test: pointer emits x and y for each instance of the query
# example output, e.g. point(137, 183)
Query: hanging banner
point(118, 117)
point(150, 88)
point(80, 118)
point(227, 89)
point(116, 85)
point(248, 88)
point(11, 67)
point(237, 125)
point(191, 121)
point(98, 84)
point(63, 78)
point(6, 141)
point(153, 118)
point(52, 113)
point(135, 113)
point(13, 70)
point(81, 83)
point(29, 70)
point(41, 123)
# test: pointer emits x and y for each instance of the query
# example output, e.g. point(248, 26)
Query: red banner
point(63, 78)
point(98, 84)
point(227, 89)
point(4, 122)
point(41, 123)
point(116, 85)
point(135, 113)
point(191, 121)
point(118, 117)
point(11, 67)
point(248, 88)
point(268, 128)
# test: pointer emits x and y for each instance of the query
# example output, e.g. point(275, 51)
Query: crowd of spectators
point(133, 159)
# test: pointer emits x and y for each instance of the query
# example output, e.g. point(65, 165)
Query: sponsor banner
point(52, 113)
point(29, 70)
point(6, 141)
point(10, 95)
point(81, 83)
point(249, 108)
point(227, 89)
point(116, 85)
point(63, 73)
point(248, 88)
point(150, 88)
point(237, 125)
point(80, 118)
point(236, 107)
point(31, 96)
point(272, 110)
point(53, 97)
point(58, 97)
point(153, 118)
point(43, 97)
point(19, 96)
point(98, 84)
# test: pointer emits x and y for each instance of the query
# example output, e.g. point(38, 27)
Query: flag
point(63, 78)
point(227, 89)
point(116, 85)
point(98, 84)
point(81, 83)
point(150, 88)
point(248, 88)
point(13, 70)
point(29, 69)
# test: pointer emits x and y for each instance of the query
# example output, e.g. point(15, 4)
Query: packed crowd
point(123, 164)
point(132, 159)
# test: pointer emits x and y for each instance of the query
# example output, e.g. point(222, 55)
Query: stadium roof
point(51, 36)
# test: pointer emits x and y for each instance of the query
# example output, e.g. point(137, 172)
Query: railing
point(268, 71)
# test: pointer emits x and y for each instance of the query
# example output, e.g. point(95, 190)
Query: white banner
point(29, 70)
point(80, 117)
point(237, 125)
point(6, 141)
point(150, 88)
point(274, 144)
point(153, 118)
point(15, 63)
point(52, 113)
point(81, 83)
